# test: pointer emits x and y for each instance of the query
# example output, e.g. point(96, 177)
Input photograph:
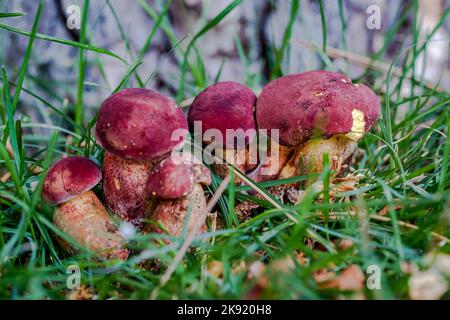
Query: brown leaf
point(350, 279)
point(427, 285)
point(345, 244)
point(215, 268)
point(82, 293)
point(440, 262)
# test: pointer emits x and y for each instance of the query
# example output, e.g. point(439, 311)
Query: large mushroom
point(316, 113)
point(79, 213)
point(177, 181)
point(228, 109)
point(136, 128)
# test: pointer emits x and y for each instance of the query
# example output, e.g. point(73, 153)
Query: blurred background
point(242, 47)
point(179, 47)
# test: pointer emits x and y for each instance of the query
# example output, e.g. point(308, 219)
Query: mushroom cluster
point(135, 127)
point(144, 176)
point(147, 180)
point(302, 117)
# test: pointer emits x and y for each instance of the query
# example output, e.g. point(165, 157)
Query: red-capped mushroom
point(79, 213)
point(317, 113)
point(178, 181)
point(227, 107)
point(136, 127)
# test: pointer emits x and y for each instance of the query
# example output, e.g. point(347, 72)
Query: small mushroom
point(135, 126)
point(317, 112)
point(229, 108)
point(177, 182)
point(79, 213)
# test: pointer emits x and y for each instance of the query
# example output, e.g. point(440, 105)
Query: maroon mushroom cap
point(138, 124)
point(222, 106)
point(175, 176)
point(70, 177)
point(315, 103)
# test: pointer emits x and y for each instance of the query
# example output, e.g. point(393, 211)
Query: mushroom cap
point(316, 103)
point(70, 177)
point(175, 177)
point(222, 106)
point(138, 124)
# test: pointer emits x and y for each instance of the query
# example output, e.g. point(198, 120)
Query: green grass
point(404, 163)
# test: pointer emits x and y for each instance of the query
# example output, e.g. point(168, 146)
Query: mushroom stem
point(170, 215)
point(242, 159)
point(309, 157)
point(272, 163)
point(85, 219)
point(124, 187)
point(289, 162)
point(176, 182)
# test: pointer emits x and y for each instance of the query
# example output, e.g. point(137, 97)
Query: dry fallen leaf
point(427, 285)
point(385, 210)
point(256, 270)
point(440, 262)
point(408, 267)
point(348, 182)
point(262, 272)
point(301, 258)
point(345, 244)
point(239, 267)
point(82, 293)
point(323, 276)
point(350, 279)
point(215, 268)
point(284, 265)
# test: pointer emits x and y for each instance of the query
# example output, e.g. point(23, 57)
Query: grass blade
point(80, 82)
point(71, 43)
point(11, 14)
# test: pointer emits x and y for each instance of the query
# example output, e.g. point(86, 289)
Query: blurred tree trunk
point(257, 26)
